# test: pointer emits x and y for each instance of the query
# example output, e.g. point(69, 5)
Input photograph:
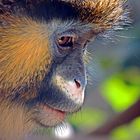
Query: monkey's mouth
point(52, 110)
point(48, 116)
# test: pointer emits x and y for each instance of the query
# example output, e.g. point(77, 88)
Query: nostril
point(78, 85)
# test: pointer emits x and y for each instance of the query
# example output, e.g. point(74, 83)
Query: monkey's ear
point(102, 14)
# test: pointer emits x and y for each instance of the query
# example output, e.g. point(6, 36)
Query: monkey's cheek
point(50, 117)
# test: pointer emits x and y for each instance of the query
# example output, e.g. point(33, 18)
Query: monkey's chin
point(49, 117)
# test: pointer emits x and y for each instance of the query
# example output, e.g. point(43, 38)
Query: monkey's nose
point(77, 83)
point(76, 91)
point(75, 87)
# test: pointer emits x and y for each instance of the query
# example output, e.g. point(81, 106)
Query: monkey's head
point(43, 53)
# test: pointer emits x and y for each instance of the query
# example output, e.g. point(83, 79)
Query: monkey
point(43, 56)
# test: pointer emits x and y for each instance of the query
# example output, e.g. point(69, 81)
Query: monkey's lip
point(52, 112)
point(48, 116)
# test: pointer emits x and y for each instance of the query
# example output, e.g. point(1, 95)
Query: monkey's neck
point(14, 123)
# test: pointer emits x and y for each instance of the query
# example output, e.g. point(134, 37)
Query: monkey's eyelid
point(71, 33)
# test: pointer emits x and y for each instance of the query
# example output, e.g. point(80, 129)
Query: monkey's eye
point(66, 42)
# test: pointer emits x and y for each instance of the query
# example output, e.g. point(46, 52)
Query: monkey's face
point(62, 90)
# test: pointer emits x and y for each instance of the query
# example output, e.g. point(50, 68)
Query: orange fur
point(25, 57)
point(24, 52)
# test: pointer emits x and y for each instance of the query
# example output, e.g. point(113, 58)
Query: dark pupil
point(65, 41)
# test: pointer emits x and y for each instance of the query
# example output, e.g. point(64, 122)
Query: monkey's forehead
point(103, 13)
